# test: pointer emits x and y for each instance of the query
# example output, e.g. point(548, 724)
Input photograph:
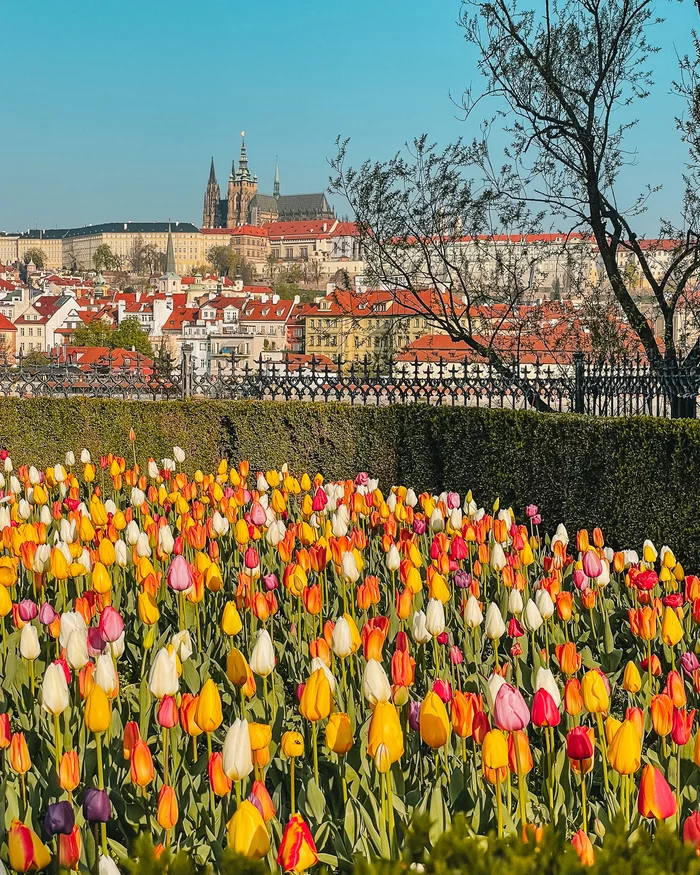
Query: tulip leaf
point(315, 799)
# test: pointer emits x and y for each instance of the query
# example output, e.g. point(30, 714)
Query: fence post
point(579, 398)
point(186, 370)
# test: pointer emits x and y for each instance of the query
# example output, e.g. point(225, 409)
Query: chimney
point(275, 299)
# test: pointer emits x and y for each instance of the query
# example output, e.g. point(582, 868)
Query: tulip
point(544, 709)
point(246, 833)
point(59, 819)
point(338, 733)
point(237, 753)
point(209, 715)
point(434, 723)
point(29, 643)
point(97, 710)
point(632, 680)
point(163, 680)
point(316, 700)
point(297, 851)
point(231, 623)
point(142, 769)
point(596, 698)
point(262, 659)
point(385, 728)
point(473, 616)
point(69, 771)
point(26, 850)
point(671, 628)
point(111, 624)
point(55, 697)
point(435, 618)
point(625, 751)
point(96, 806)
point(568, 657)
point(494, 750)
point(544, 679)
point(168, 811)
point(70, 848)
point(661, 709)
point(691, 829)
point(583, 847)
point(495, 627)
point(375, 683)
point(220, 783)
point(510, 713)
point(519, 754)
point(179, 574)
point(656, 799)
point(682, 727)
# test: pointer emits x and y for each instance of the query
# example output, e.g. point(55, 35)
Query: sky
point(112, 110)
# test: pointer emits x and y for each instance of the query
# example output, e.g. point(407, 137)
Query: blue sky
point(111, 110)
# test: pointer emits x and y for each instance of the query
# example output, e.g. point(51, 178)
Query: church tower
point(241, 191)
point(211, 217)
point(276, 189)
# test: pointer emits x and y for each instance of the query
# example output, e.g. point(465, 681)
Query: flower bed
point(294, 669)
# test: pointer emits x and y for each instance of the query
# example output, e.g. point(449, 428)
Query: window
point(31, 332)
point(275, 253)
point(21, 331)
point(289, 252)
point(304, 252)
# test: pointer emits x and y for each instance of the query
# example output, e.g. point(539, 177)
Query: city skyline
point(113, 138)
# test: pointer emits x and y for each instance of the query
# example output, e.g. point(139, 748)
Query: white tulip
point(561, 535)
point(261, 483)
point(85, 456)
point(15, 485)
point(473, 615)
point(498, 558)
point(493, 685)
point(349, 567)
point(435, 618)
point(24, 511)
point(55, 697)
point(262, 659)
point(77, 655)
point(237, 757)
point(137, 497)
point(375, 683)
point(45, 515)
point(8, 465)
point(105, 675)
point(220, 524)
point(70, 458)
point(143, 546)
point(152, 468)
point(391, 502)
point(162, 679)
point(544, 603)
point(532, 619)
point(338, 525)
point(456, 519)
point(166, 542)
point(437, 523)
point(121, 554)
point(393, 559)
point(182, 644)
point(59, 473)
point(495, 627)
point(5, 518)
point(515, 601)
point(411, 498)
point(42, 558)
point(70, 621)
point(107, 866)
point(117, 647)
point(29, 642)
point(34, 476)
point(132, 533)
point(544, 679)
point(179, 454)
point(419, 629)
point(67, 530)
point(341, 638)
point(603, 578)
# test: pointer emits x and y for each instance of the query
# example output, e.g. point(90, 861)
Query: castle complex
point(245, 205)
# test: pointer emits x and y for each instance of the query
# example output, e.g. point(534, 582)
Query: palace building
point(245, 205)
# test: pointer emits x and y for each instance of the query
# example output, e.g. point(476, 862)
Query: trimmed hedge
point(635, 477)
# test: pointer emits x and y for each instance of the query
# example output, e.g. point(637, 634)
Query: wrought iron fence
point(596, 388)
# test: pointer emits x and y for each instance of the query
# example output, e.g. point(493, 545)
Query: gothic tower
point(276, 189)
point(211, 217)
point(241, 191)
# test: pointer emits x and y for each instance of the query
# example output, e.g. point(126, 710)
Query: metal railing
point(620, 388)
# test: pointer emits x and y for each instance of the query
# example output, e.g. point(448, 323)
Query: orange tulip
point(661, 714)
point(142, 769)
point(69, 771)
point(19, 754)
point(220, 783)
point(656, 799)
point(568, 657)
point(297, 851)
point(168, 811)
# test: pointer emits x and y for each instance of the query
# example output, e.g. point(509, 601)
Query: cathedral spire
point(276, 188)
point(212, 173)
point(243, 172)
point(170, 255)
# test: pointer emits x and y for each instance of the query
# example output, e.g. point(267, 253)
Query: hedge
point(635, 478)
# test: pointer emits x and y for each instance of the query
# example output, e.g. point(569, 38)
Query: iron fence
point(620, 388)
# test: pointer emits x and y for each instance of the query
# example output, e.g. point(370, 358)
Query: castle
point(245, 205)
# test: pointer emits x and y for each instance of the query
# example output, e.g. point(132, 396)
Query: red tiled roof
point(179, 316)
point(317, 228)
point(266, 311)
point(239, 231)
point(5, 324)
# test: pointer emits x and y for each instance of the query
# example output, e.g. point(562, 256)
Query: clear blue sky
point(112, 109)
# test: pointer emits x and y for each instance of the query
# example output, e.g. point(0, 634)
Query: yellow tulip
point(671, 629)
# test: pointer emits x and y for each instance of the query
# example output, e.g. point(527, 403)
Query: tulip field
point(294, 669)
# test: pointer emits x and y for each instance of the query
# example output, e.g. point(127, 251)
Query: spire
point(276, 188)
point(170, 255)
point(212, 173)
point(233, 170)
point(243, 172)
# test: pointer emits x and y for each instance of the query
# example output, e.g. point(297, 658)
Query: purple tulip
point(689, 662)
point(59, 819)
point(111, 624)
point(47, 614)
point(510, 713)
point(96, 806)
point(462, 579)
point(95, 642)
point(531, 511)
point(27, 610)
point(419, 526)
point(256, 802)
point(179, 574)
point(414, 716)
point(270, 581)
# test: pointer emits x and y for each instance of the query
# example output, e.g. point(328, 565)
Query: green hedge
point(635, 478)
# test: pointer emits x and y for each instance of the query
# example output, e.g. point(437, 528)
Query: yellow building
point(13, 247)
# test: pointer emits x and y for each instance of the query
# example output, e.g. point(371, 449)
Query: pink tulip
point(258, 515)
point(453, 500)
point(510, 713)
point(531, 511)
point(252, 560)
point(27, 610)
point(592, 566)
point(95, 642)
point(443, 689)
point(111, 624)
point(47, 614)
point(580, 580)
point(179, 574)
point(320, 500)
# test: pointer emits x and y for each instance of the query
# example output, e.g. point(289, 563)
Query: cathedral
point(245, 205)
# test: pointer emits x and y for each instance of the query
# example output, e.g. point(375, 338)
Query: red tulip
point(544, 711)
point(656, 799)
point(682, 726)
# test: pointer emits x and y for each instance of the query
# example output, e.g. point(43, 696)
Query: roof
point(300, 204)
point(132, 228)
point(179, 316)
point(307, 229)
point(87, 357)
point(365, 305)
point(6, 325)
point(266, 311)
point(239, 231)
point(41, 234)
